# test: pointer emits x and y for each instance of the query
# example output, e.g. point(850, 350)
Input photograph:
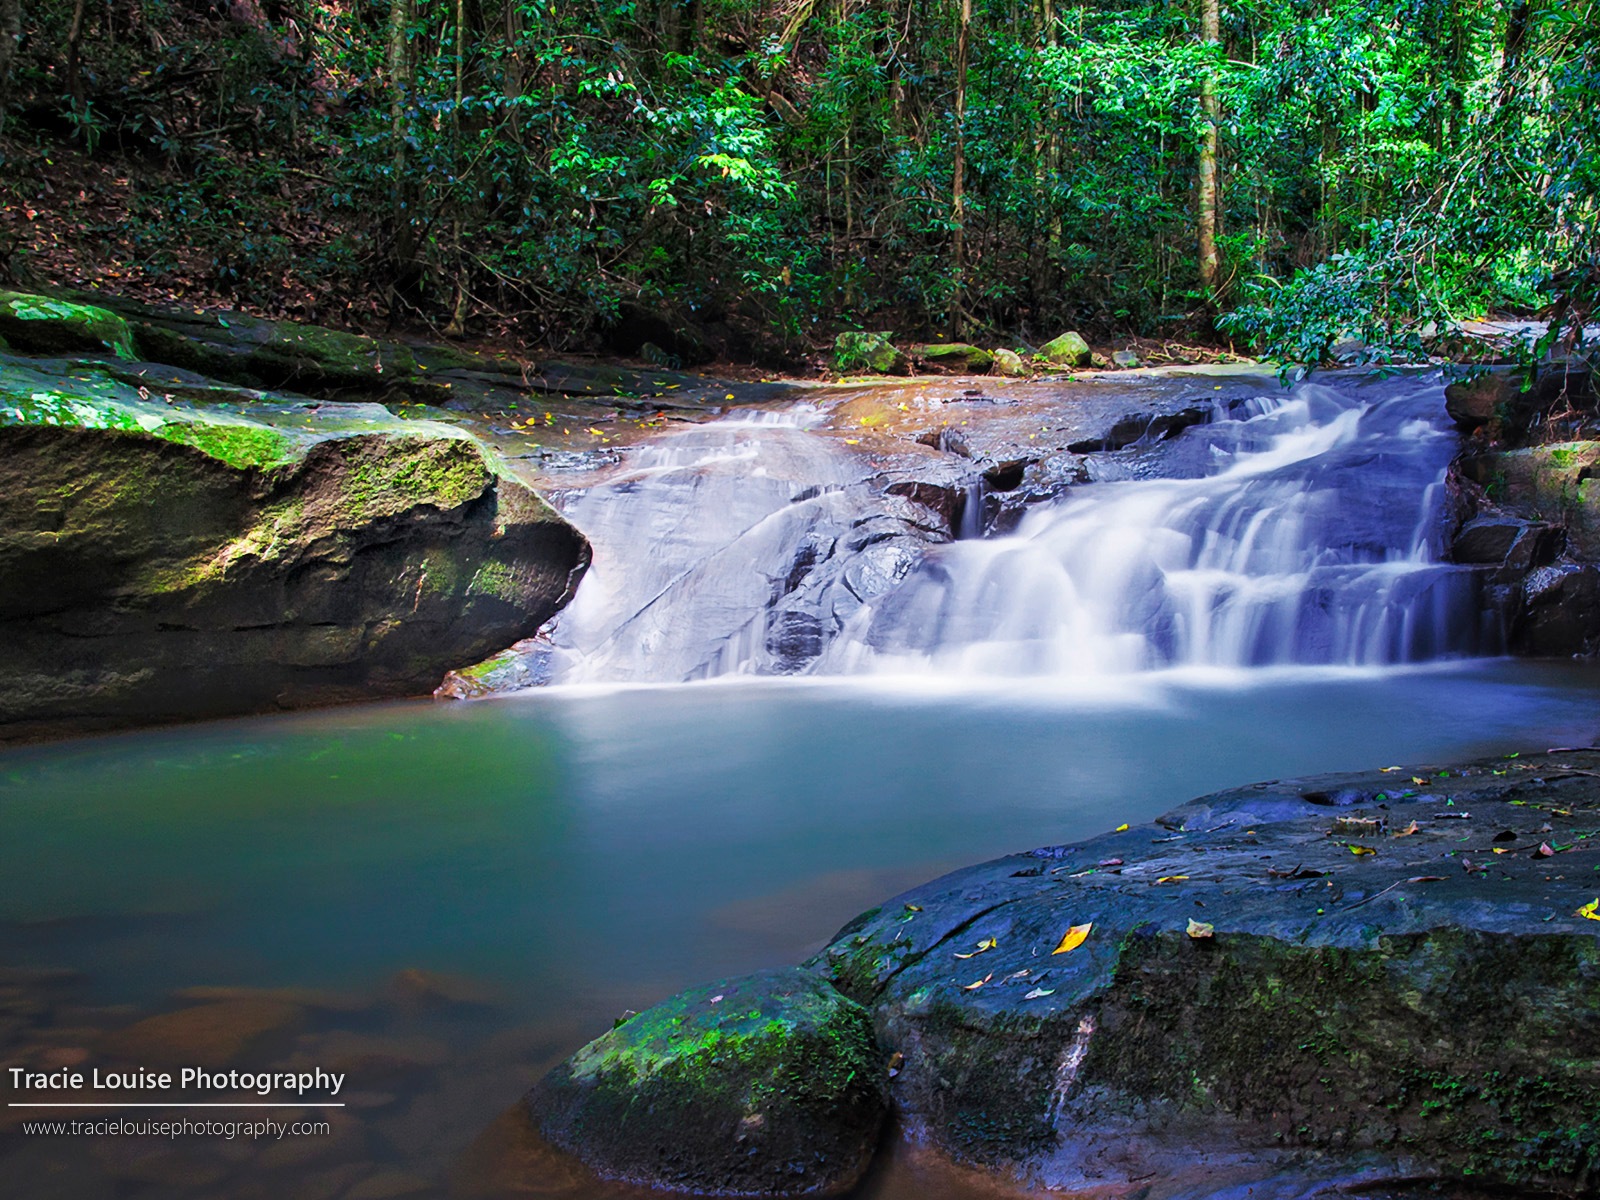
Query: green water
point(577, 853)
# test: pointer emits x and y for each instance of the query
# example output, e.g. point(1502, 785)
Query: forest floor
point(70, 220)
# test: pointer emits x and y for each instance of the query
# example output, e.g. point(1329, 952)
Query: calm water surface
point(573, 853)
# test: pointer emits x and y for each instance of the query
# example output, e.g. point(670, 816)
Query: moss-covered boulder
point(45, 325)
point(160, 561)
point(1389, 975)
point(957, 357)
point(1009, 363)
point(861, 353)
point(1068, 350)
point(766, 1085)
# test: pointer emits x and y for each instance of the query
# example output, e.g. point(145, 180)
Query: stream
point(784, 693)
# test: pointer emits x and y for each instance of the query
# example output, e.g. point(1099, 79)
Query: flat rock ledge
point(767, 1085)
point(1336, 982)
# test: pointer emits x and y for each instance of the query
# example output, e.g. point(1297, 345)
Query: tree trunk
point(958, 199)
point(10, 35)
point(1211, 113)
point(405, 240)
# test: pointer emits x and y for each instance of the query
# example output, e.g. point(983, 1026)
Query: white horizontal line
point(130, 1104)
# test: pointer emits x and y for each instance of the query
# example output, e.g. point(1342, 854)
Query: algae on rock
point(160, 562)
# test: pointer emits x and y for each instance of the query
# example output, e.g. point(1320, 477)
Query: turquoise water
point(578, 852)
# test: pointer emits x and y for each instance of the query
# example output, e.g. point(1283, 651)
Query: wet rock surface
point(166, 558)
point(1357, 976)
point(767, 1085)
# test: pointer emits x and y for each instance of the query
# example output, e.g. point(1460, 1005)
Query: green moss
point(496, 579)
point(242, 447)
point(870, 353)
point(45, 325)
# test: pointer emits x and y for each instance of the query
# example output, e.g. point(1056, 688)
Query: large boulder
point(1393, 975)
point(160, 561)
point(863, 353)
point(766, 1085)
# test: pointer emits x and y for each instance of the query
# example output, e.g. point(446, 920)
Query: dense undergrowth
point(743, 177)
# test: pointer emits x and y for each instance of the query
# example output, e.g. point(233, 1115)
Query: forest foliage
point(777, 169)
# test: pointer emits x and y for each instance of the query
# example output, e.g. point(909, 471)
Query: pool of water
point(566, 854)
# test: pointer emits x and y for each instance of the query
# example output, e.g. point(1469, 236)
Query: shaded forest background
point(744, 177)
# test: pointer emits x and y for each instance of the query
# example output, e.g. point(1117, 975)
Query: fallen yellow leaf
point(1360, 850)
point(987, 944)
point(1200, 929)
point(1419, 781)
point(1073, 938)
point(1408, 830)
point(1590, 910)
point(1120, 828)
point(1172, 879)
point(972, 987)
point(1037, 992)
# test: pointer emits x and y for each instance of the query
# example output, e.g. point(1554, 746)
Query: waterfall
point(1298, 528)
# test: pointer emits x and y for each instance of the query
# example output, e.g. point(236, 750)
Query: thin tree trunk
point(10, 35)
point(958, 199)
point(1211, 111)
point(458, 313)
point(405, 244)
point(74, 37)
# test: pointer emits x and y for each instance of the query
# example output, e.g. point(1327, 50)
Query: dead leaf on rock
point(1544, 851)
point(1409, 830)
point(1073, 938)
point(1200, 929)
point(972, 987)
point(1110, 862)
point(1591, 910)
point(1037, 992)
point(1172, 879)
point(1360, 850)
point(983, 947)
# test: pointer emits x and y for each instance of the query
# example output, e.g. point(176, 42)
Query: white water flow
point(1300, 528)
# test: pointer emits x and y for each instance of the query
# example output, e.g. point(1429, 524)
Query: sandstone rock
point(46, 325)
point(1482, 398)
point(767, 1085)
point(1068, 350)
point(160, 561)
point(958, 357)
point(1010, 363)
point(1351, 1011)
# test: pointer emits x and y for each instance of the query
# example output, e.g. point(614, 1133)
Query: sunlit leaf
point(1200, 929)
point(1073, 938)
point(1172, 879)
point(975, 985)
point(1590, 910)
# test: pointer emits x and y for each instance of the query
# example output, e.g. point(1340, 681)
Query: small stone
point(1126, 359)
point(1010, 363)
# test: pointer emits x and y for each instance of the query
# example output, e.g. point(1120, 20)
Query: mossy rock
point(1553, 483)
point(160, 562)
point(861, 353)
point(1267, 980)
point(766, 1085)
point(1068, 350)
point(44, 325)
point(1010, 364)
point(952, 356)
point(302, 354)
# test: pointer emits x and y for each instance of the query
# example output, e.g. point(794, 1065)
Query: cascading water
point(1298, 528)
point(1312, 538)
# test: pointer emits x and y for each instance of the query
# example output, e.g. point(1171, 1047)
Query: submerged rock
point(160, 562)
point(766, 1085)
